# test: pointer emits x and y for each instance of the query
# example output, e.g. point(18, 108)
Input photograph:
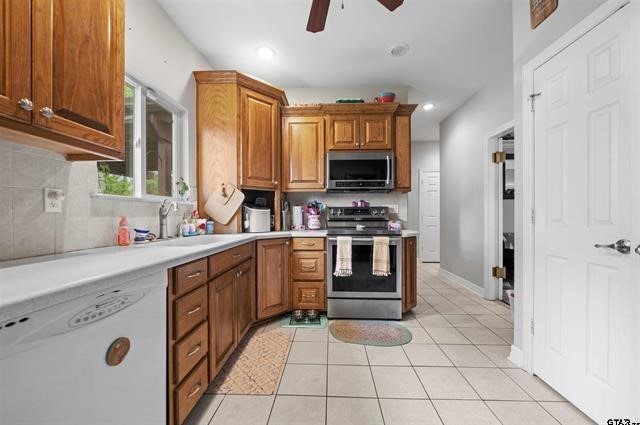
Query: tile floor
point(455, 371)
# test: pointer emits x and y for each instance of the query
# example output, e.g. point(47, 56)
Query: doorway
point(429, 216)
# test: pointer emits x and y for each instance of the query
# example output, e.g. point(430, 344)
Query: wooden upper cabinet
point(65, 61)
point(274, 293)
point(260, 159)
point(343, 132)
point(15, 59)
point(303, 153)
point(403, 147)
point(375, 131)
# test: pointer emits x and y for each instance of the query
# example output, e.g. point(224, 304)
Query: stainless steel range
point(363, 295)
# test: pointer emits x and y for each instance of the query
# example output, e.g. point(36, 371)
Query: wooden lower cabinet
point(409, 273)
point(273, 296)
point(222, 323)
point(309, 296)
point(309, 274)
point(245, 298)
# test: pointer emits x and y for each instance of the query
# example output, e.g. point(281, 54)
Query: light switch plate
point(53, 200)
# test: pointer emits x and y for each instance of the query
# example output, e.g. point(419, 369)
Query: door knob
point(623, 246)
point(637, 250)
point(25, 104)
point(47, 112)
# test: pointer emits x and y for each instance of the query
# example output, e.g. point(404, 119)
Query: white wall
point(158, 54)
point(426, 156)
point(330, 94)
point(462, 138)
point(527, 43)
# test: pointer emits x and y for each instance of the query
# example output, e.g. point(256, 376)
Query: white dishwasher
point(96, 359)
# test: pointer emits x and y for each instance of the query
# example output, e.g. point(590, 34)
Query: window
point(155, 143)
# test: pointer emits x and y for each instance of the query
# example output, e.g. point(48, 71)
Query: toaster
point(257, 219)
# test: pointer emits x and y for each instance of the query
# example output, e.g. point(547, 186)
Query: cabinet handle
point(286, 243)
point(275, 182)
point(239, 273)
point(194, 311)
point(25, 104)
point(195, 391)
point(195, 274)
point(306, 267)
point(236, 255)
point(194, 350)
point(308, 244)
point(47, 112)
point(307, 296)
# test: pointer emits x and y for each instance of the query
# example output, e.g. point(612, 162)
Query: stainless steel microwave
point(360, 171)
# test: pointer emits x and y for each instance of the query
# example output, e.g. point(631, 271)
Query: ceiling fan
point(320, 8)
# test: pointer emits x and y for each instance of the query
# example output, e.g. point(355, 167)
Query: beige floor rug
point(256, 365)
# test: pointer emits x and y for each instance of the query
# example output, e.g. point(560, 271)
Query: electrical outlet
point(53, 200)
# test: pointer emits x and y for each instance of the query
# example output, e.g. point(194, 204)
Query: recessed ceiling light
point(265, 52)
point(398, 50)
point(428, 106)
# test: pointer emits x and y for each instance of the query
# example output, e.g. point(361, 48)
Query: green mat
point(286, 322)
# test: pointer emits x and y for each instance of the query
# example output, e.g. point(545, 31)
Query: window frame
point(179, 145)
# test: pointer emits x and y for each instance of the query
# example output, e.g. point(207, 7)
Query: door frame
point(492, 211)
point(421, 222)
point(524, 256)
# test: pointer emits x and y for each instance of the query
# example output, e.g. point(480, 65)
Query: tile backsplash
point(86, 221)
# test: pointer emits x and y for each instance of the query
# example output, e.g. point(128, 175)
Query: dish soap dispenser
point(124, 235)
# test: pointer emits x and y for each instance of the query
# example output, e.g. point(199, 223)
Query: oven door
point(362, 283)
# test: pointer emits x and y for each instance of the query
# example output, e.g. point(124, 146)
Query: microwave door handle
point(388, 170)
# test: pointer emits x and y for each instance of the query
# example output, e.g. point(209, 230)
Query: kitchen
point(149, 327)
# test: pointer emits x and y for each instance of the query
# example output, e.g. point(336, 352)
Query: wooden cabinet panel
point(190, 310)
point(308, 244)
point(245, 298)
point(308, 265)
point(343, 132)
point(189, 276)
point(222, 323)
point(78, 69)
point(225, 260)
point(189, 392)
point(309, 295)
point(303, 153)
point(259, 133)
point(403, 153)
point(375, 131)
point(15, 58)
point(410, 277)
point(190, 350)
point(273, 277)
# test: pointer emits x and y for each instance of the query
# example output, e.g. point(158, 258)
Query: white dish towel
point(380, 256)
point(343, 257)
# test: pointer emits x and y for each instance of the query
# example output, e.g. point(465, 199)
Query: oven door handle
point(388, 171)
point(391, 240)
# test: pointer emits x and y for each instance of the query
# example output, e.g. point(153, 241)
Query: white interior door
point(586, 150)
point(430, 216)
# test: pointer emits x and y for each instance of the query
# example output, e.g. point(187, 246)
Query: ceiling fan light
point(265, 52)
point(428, 106)
point(398, 50)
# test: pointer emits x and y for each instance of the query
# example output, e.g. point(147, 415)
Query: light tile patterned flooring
point(455, 371)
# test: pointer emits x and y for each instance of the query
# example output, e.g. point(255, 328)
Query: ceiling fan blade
point(391, 4)
point(318, 15)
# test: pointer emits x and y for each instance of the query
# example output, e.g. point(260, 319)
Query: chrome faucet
point(163, 213)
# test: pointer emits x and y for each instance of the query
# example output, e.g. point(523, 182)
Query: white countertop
point(34, 283)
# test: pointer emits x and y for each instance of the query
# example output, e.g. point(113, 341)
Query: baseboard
point(457, 280)
point(516, 356)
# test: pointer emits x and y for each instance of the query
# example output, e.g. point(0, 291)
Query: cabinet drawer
point(189, 392)
point(190, 350)
point(308, 244)
point(309, 295)
point(190, 310)
point(308, 265)
point(225, 260)
point(189, 276)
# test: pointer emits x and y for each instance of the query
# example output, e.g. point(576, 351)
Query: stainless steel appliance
point(360, 171)
point(363, 295)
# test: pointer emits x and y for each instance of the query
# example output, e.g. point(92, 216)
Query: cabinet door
point(15, 58)
point(410, 280)
point(309, 295)
point(375, 131)
point(403, 153)
point(303, 153)
point(222, 324)
point(273, 277)
point(245, 298)
point(78, 70)
point(308, 265)
point(259, 118)
point(343, 132)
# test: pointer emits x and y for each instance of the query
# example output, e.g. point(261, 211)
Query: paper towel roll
point(297, 216)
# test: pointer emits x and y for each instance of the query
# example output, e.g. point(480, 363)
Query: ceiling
point(456, 46)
